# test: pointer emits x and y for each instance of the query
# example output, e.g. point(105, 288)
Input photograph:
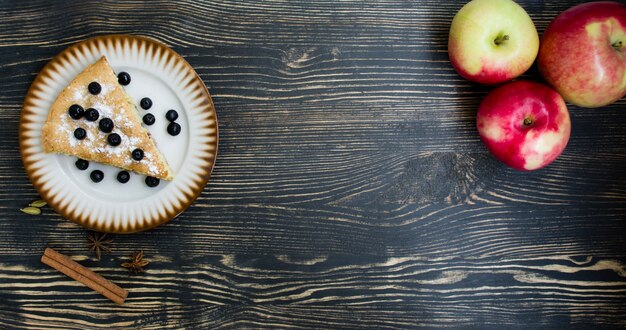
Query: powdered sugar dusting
point(79, 94)
point(105, 89)
point(104, 109)
point(153, 169)
point(122, 121)
point(67, 129)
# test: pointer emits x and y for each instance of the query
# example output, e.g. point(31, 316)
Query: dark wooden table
point(351, 189)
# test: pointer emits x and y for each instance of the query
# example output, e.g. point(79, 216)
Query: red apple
point(524, 124)
point(492, 41)
point(583, 54)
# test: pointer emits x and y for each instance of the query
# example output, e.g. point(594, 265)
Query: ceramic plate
point(156, 72)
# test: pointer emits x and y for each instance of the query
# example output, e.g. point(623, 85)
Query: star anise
point(97, 242)
point(136, 264)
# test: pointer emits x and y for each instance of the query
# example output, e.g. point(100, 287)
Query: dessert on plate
point(94, 119)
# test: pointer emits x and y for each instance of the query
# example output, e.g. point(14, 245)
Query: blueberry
point(94, 88)
point(123, 176)
point(76, 111)
point(106, 125)
point(137, 154)
point(92, 114)
point(123, 78)
point(148, 119)
point(80, 133)
point(96, 176)
point(152, 181)
point(145, 103)
point(173, 129)
point(114, 139)
point(171, 115)
point(82, 164)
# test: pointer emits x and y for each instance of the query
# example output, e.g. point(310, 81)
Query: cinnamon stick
point(71, 268)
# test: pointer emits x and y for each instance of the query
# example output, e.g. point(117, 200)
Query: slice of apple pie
point(94, 119)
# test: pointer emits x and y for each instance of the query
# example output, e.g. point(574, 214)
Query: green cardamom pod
point(38, 203)
point(31, 210)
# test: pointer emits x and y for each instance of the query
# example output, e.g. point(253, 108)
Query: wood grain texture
point(350, 191)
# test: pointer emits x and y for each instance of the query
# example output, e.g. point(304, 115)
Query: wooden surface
point(351, 189)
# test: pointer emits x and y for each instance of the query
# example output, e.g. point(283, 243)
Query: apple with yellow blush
point(492, 41)
point(583, 53)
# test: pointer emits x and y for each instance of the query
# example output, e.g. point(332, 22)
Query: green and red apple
point(524, 124)
point(583, 53)
point(492, 41)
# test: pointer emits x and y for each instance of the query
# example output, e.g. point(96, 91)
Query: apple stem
point(527, 122)
point(618, 45)
point(501, 39)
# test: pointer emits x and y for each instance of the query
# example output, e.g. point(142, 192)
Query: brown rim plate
point(156, 72)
